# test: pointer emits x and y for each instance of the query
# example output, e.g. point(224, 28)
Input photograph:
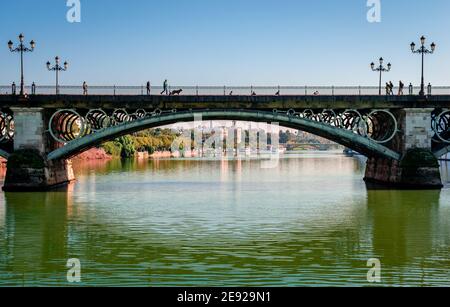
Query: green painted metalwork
point(346, 138)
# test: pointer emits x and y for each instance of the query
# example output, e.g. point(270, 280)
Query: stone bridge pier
point(28, 168)
point(418, 167)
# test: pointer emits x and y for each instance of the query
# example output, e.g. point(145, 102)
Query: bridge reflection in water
point(190, 222)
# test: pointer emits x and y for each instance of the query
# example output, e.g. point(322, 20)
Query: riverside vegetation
point(161, 140)
point(151, 141)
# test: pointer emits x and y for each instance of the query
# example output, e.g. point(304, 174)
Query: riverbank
point(100, 154)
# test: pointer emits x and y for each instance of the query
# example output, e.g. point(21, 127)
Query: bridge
point(403, 136)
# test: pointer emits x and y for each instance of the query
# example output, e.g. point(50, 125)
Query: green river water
point(309, 221)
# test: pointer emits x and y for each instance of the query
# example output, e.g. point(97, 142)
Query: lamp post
point(57, 68)
point(422, 51)
point(381, 69)
point(21, 49)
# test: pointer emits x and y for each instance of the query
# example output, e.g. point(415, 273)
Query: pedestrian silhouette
point(148, 88)
point(165, 87)
point(391, 86)
point(401, 86)
point(85, 88)
point(13, 88)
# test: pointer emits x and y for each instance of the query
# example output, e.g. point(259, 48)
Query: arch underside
point(343, 137)
point(4, 154)
point(442, 151)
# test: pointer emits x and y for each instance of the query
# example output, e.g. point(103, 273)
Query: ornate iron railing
point(193, 90)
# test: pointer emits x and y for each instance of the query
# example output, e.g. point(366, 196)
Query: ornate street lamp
point(381, 69)
point(57, 68)
point(422, 51)
point(21, 49)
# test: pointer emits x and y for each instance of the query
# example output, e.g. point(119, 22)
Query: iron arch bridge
point(368, 132)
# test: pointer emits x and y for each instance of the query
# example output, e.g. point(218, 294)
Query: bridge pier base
point(28, 168)
point(418, 170)
point(418, 167)
point(28, 171)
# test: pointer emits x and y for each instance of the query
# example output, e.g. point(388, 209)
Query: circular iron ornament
point(352, 120)
point(330, 117)
point(97, 120)
point(291, 113)
point(66, 126)
point(120, 116)
point(382, 126)
point(6, 127)
point(441, 127)
point(157, 112)
point(308, 114)
point(11, 128)
point(141, 113)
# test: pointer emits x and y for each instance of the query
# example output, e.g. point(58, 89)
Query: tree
point(128, 149)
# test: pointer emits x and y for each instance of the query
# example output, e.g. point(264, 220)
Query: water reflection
point(35, 235)
point(310, 221)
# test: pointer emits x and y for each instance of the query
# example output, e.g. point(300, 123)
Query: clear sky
point(225, 42)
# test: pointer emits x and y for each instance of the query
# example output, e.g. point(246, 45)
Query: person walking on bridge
point(148, 88)
point(165, 87)
point(85, 88)
point(391, 87)
point(401, 86)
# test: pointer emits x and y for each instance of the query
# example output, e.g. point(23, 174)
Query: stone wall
point(416, 126)
point(29, 129)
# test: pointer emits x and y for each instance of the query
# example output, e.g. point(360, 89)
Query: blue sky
point(225, 42)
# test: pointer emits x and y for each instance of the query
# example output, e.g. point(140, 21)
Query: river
point(309, 221)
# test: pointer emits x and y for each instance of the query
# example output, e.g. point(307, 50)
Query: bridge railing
point(221, 90)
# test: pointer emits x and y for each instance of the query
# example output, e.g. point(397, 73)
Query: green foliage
point(148, 140)
point(127, 144)
point(112, 148)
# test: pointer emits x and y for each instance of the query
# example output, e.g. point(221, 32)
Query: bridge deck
point(225, 102)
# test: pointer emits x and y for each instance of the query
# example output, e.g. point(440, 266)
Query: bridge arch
point(343, 137)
